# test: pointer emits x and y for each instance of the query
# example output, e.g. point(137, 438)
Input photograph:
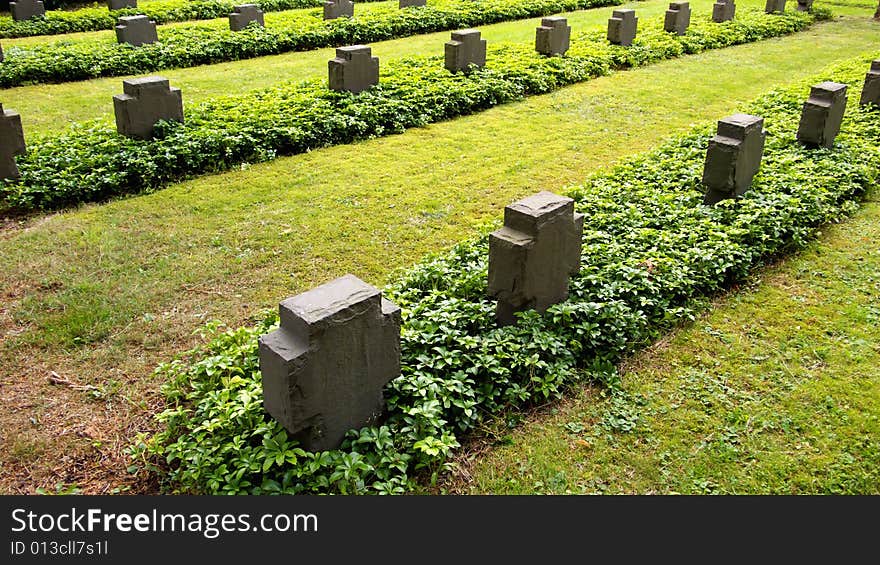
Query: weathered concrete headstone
point(678, 18)
point(325, 366)
point(532, 257)
point(136, 30)
point(243, 14)
point(871, 90)
point(723, 11)
point(774, 6)
point(11, 143)
point(822, 114)
point(804, 5)
point(26, 9)
point(337, 8)
point(733, 157)
point(411, 3)
point(465, 49)
point(144, 102)
point(354, 69)
point(553, 36)
point(622, 27)
point(120, 4)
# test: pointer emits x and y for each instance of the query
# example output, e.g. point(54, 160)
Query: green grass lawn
point(776, 391)
point(103, 293)
point(52, 107)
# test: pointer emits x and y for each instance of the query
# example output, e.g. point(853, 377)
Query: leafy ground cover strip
point(652, 256)
point(203, 44)
point(98, 17)
point(92, 162)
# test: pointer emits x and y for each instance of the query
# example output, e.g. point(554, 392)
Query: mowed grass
point(49, 108)
point(100, 295)
point(775, 391)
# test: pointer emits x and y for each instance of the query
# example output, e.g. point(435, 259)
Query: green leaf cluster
point(652, 256)
point(92, 161)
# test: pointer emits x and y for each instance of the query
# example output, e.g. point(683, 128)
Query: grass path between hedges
point(775, 391)
point(48, 108)
point(100, 295)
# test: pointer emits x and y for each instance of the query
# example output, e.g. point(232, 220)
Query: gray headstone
point(723, 11)
point(136, 30)
point(2, 56)
point(244, 14)
point(120, 4)
point(553, 36)
point(622, 27)
point(734, 157)
point(678, 18)
point(26, 9)
point(465, 49)
point(871, 90)
point(804, 5)
point(11, 143)
point(354, 69)
point(325, 366)
point(532, 257)
point(774, 6)
point(411, 3)
point(146, 101)
point(337, 8)
point(822, 114)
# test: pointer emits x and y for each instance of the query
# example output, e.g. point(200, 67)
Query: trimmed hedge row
point(207, 43)
point(93, 162)
point(98, 17)
point(652, 255)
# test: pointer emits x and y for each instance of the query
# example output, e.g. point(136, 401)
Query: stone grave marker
point(775, 6)
point(411, 3)
point(678, 18)
point(532, 257)
point(324, 368)
point(465, 49)
point(244, 14)
point(354, 69)
point(622, 27)
point(734, 157)
point(144, 102)
point(822, 115)
point(804, 5)
point(136, 30)
point(553, 36)
point(26, 9)
point(11, 143)
point(120, 4)
point(871, 90)
point(337, 8)
point(723, 11)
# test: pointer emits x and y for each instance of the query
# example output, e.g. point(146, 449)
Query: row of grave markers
point(338, 345)
point(141, 30)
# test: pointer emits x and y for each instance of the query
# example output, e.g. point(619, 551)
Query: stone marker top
point(624, 13)
point(136, 86)
point(330, 303)
point(130, 19)
point(531, 213)
point(679, 5)
point(465, 34)
point(827, 90)
point(240, 7)
point(349, 51)
point(735, 127)
point(554, 21)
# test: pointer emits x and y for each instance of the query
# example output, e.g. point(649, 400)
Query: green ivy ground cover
point(652, 256)
point(98, 17)
point(202, 44)
point(92, 162)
